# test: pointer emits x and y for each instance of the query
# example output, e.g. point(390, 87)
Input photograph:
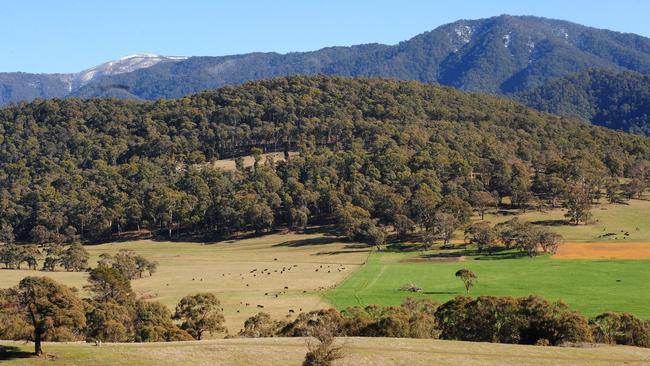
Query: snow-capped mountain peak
point(122, 65)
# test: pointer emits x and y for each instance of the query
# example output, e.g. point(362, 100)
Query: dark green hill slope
point(618, 100)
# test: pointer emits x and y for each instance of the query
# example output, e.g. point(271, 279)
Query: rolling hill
point(96, 167)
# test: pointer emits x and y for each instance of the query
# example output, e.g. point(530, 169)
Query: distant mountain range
point(510, 55)
point(20, 86)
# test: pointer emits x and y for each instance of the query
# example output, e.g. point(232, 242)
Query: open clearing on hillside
point(234, 271)
point(249, 160)
point(613, 219)
point(359, 351)
point(603, 251)
point(589, 286)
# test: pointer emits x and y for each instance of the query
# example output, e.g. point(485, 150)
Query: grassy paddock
point(359, 351)
point(589, 286)
point(630, 217)
point(224, 268)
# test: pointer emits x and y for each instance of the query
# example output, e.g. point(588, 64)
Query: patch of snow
point(123, 65)
point(464, 33)
point(531, 45)
point(562, 33)
point(507, 40)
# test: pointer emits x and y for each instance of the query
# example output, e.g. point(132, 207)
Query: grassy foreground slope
point(359, 351)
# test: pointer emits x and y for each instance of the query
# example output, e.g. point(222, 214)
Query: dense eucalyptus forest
point(382, 153)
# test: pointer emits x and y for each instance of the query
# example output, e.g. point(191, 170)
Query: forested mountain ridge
point(614, 99)
point(384, 151)
point(503, 54)
point(21, 86)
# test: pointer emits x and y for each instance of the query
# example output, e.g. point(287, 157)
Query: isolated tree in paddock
point(578, 203)
point(152, 267)
point(75, 258)
point(323, 352)
point(144, 265)
point(468, 277)
point(482, 201)
point(108, 283)
point(125, 261)
point(200, 313)
point(549, 241)
point(49, 307)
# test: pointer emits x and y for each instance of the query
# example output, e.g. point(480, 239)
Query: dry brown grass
point(234, 271)
point(358, 351)
point(229, 164)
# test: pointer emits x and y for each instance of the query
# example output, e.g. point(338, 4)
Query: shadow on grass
point(476, 255)
point(551, 222)
point(207, 237)
point(306, 242)
point(501, 256)
point(11, 352)
point(335, 252)
point(441, 293)
point(403, 248)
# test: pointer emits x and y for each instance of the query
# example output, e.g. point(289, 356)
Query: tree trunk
point(38, 350)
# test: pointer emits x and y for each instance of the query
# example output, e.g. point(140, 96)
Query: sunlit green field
point(589, 286)
point(357, 351)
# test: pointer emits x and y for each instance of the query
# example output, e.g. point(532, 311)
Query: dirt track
point(603, 251)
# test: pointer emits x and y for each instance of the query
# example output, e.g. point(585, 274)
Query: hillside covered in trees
point(381, 153)
point(616, 99)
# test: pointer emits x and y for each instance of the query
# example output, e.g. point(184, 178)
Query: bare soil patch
point(640, 250)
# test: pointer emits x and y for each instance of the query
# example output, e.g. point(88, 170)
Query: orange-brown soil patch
point(603, 251)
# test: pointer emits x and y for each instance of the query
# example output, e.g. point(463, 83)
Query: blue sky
point(67, 36)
